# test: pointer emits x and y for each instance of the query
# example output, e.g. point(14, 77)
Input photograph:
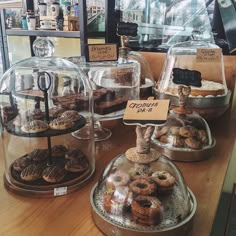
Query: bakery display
point(200, 65)
point(142, 192)
point(38, 123)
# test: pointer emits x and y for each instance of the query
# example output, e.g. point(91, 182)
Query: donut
point(58, 151)
point(118, 201)
point(147, 210)
point(80, 165)
point(20, 163)
point(53, 174)
point(143, 186)
point(164, 180)
point(38, 155)
point(119, 178)
point(193, 143)
point(188, 131)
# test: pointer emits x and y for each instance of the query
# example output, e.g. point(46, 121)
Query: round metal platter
point(197, 102)
point(187, 155)
point(122, 225)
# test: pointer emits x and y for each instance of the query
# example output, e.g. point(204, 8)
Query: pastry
point(159, 131)
point(9, 113)
point(119, 178)
point(58, 151)
point(61, 123)
point(38, 155)
point(118, 201)
point(188, 131)
point(74, 154)
point(71, 115)
point(202, 136)
point(34, 126)
point(164, 180)
point(78, 166)
point(20, 163)
point(143, 186)
point(55, 112)
point(147, 210)
point(31, 173)
point(53, 174)
point(106, 107)
point(193, 143)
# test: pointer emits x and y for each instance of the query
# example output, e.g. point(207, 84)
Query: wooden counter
point(71, 214)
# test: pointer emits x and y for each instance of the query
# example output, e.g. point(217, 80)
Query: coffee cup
point(42, 9)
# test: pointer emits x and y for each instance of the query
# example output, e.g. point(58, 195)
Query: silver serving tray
point(111, 227)
point(187, 155)
point(197, 102)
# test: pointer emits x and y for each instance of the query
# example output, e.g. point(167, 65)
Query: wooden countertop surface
point(71, 214)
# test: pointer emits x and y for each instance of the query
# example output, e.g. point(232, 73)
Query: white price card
point(60, 191)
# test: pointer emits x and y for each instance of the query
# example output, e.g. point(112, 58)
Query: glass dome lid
point(185, 136)
point(194, 63)
point(141, 191)
point(43, 101)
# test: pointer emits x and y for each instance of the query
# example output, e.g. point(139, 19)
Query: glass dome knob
point(43, 47)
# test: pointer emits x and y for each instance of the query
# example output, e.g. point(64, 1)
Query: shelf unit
point(83, 34)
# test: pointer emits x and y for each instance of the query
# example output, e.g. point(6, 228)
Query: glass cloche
point(198, 64)
point(44, 100)
point(185, 136)
point(113, 85)
point(142, 192)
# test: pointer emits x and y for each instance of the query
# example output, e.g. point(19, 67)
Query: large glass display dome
point(44, 100)
point(185, 136)
point(200, 65)
point(141, 192)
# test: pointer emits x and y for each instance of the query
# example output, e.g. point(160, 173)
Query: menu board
point(11, 3)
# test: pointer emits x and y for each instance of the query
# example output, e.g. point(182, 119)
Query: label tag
point(60, 191)
point(102, 52)
point(208, 55)
point(145, 112)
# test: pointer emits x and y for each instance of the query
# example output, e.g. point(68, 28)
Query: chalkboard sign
point(128, 29)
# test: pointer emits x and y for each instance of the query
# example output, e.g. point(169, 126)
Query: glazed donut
point(147, 210)
point(143, 186)
point(119, 178)
point(164, 180)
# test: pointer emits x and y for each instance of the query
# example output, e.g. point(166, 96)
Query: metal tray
point(187, 155)
point(111, 226)
point(197, 102)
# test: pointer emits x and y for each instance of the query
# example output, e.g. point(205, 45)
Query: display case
point(41, 156)
point(113, 85)
point(142, 192)
point(185, 136)
point(200, 65)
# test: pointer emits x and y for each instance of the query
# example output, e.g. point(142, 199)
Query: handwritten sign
point(146, 112)
point(208, 54)
point(102, 52)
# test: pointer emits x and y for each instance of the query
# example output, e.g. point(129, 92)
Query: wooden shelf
point(43, 33)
